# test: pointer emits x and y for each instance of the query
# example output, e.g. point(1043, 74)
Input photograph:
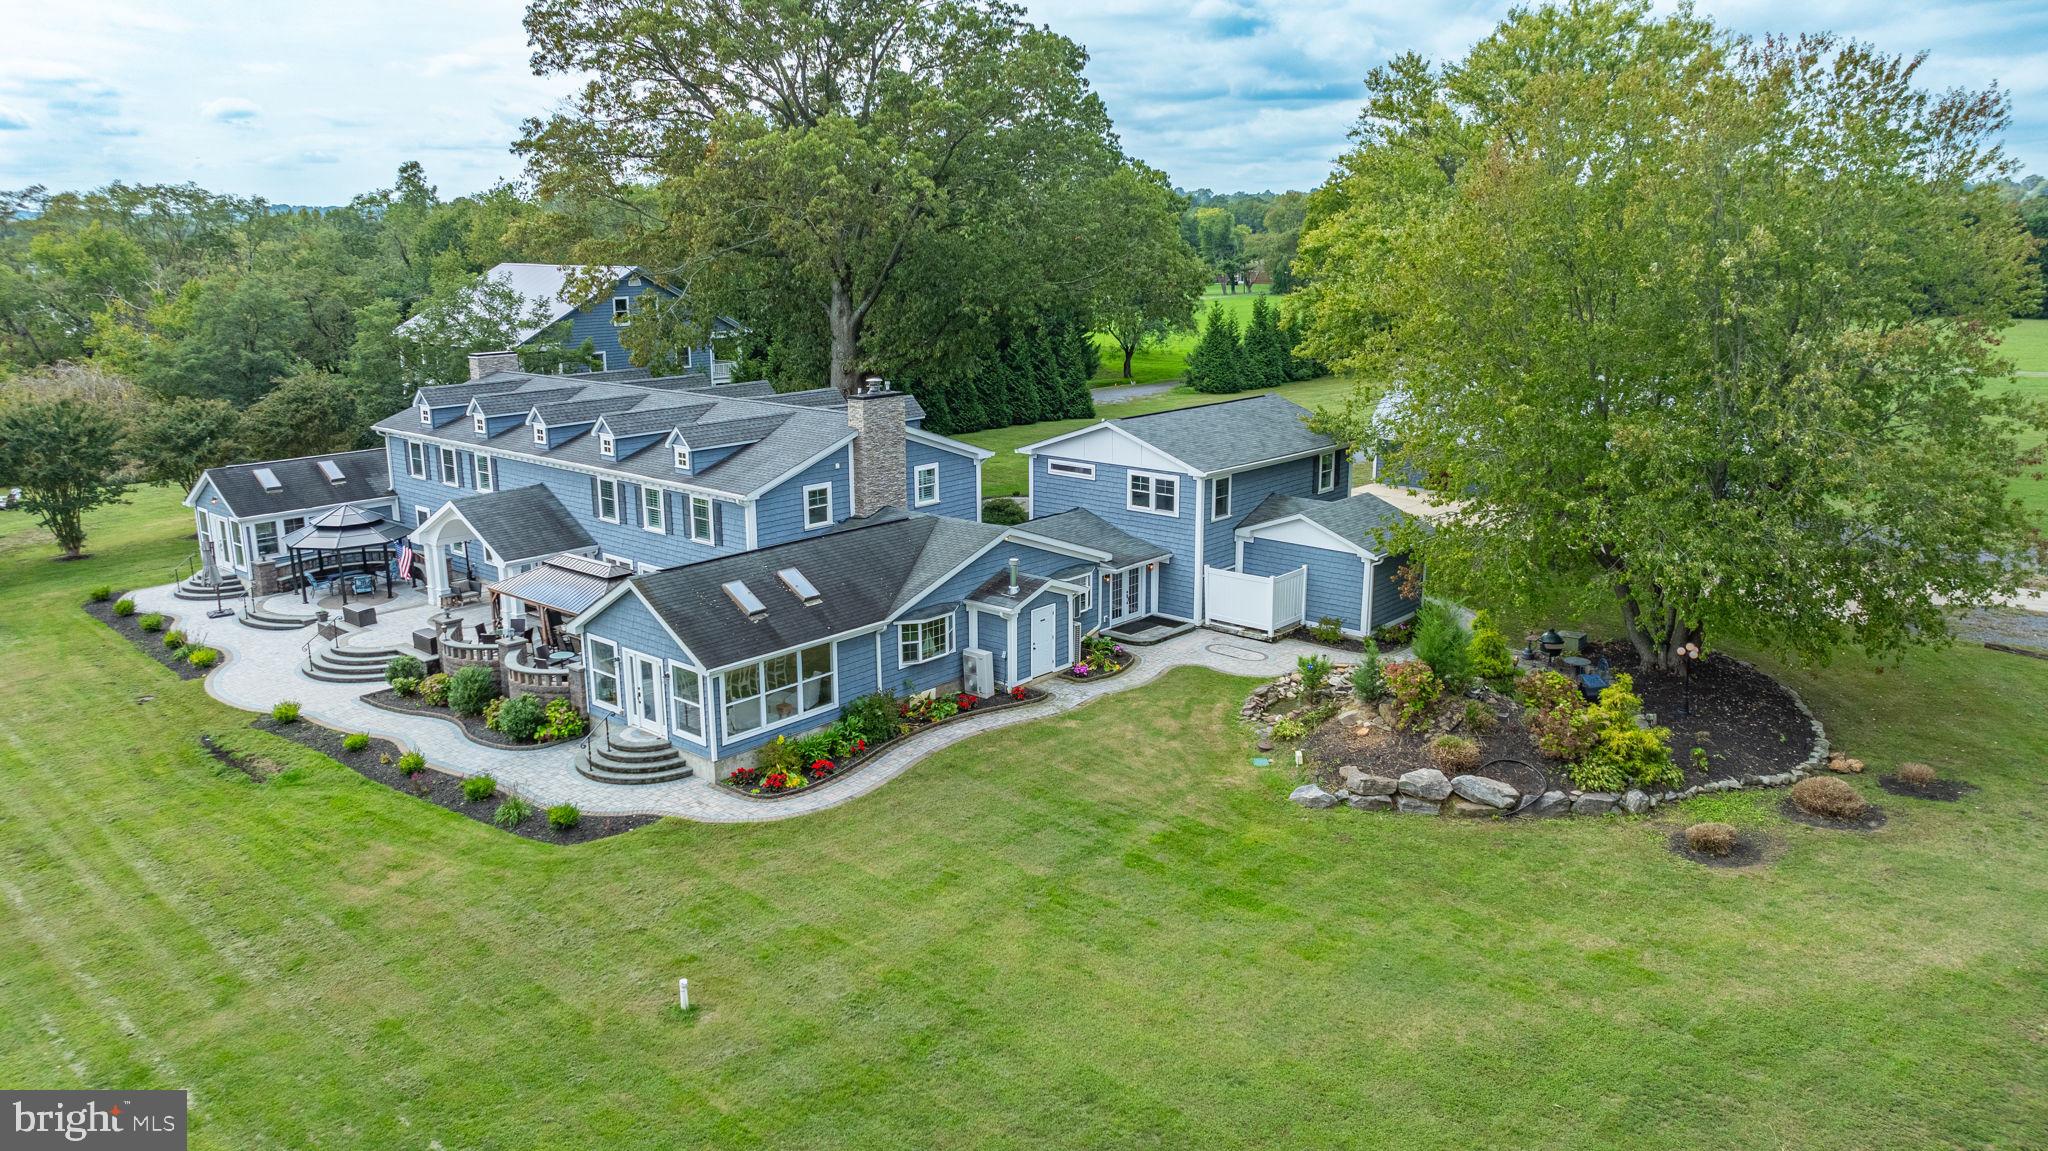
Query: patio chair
point(362, 584)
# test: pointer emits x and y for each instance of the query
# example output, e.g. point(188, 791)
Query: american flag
point(405, 560)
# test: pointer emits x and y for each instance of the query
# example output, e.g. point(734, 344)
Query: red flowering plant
point(1019, 692)
point(820, 768)
point(744, 776)
point(776, 781)
point(966, 701)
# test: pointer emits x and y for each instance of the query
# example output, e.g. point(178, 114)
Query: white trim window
point(622, 307)
point(653, 509)
point(608, 499)
point(1326, 472)
point(686, 700)
point(682, 457)
point(486, 473)
point(266, 539)
point(1219, 499)
point(416, 459)
point(426, 416)
point(482, 427)
point(604, 672)
point(605, 444)
point(293, 524)
point(923, 640)
point(1070, 469)
point(604, 361)
point(1153, 493)
point(1087, 597)
point(927, 489)
point(701, 527)
point(540, 434)
point(778, 690)
point(817, 506)
point(419, 515)
point(451, 471)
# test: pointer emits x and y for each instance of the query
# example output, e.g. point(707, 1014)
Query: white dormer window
point(540, 434)
point(426, 416)
point(604, 444)
point(478, 423)
point(682, 457)
point(621, 308)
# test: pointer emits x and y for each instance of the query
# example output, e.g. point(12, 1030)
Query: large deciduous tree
point(1706, 322)
point(1158, 279)
point(831, 152)
point(60, 442)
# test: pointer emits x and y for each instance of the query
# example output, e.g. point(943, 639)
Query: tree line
point(1261, 356)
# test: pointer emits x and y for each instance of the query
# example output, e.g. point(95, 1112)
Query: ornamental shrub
point(874, 717)
point(404, 686)
point(518, 718)
point(1000, 510)
point(1290, 730)
point(1368, 679)
point(1315, 672)
point(1917, 775)
point(151, 622)
point(404, 667)
point(564, 817)
point(1491, 658)
point(478, 788)
point(1415, 689)
point(560, 720)
point(411, 764)
point(1557, 715)
point(100, 594)
point(1328, 629)
point(1710, 838)
point(285, 711)
point(1453, 754)
point(470, 689)
point(174, 639)
point(434, 690)
point(202, 657)
point(1829, 797)
point(512, 812)
point(1442, 642)
point(124, 606)
point(1479, 719)
point(355, 741)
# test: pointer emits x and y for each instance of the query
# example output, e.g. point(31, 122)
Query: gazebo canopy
point(344, 529)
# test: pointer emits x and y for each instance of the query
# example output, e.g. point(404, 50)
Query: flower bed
point(515, 723)
point(1101, 658)
point(793, 767)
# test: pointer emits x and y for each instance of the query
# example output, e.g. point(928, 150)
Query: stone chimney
point(482, 364)
point(878, 413)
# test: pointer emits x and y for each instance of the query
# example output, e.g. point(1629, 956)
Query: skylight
point(332, 472)
point(268, 479)
point(800, 586)
point(744, 596)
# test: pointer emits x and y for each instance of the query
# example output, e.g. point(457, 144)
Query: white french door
point(643, 682)
point(1124, 595)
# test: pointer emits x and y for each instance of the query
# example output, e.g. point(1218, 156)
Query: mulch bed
point(1751, 848)
point(151, 644)
point(1871, 820)
point(1941, 790)
point(841, 771)
point(439, 788)
point(473, 727)
point(1748, 723)
point(1130, 661)
point(1347, 644)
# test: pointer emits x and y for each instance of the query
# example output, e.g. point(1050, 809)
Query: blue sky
point(312, 103)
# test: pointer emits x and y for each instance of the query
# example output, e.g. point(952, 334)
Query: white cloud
point(12, 120)
point(230, 110)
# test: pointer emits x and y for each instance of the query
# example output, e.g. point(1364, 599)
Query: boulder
point(1309, 795)
point(1361, 782)
point(1409, 805)
point(1370, 802)
point(1635, 802)
point(1480, 789)
point(1594, 803)
point(1550, 805)
point(1425, 783)
point(1466, 809)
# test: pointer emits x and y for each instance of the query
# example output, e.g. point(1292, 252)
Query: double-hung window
point(451, 472)
point(621, 308)
point(426, 416)
point(486, 473)
point(477, 422)
point(416, 459)
point(778, 689)
point(927, 484)
point(686, 700)
point(926, 639)
point(1219, 499)
point(540, 434)
point(700, 520)
point(605, 445)
point(608, 499)
point(682, 457)
point(266, 539)
point(817, 506)
point(1326, 472)
point(604, 672)
point(1157, 494)
point(653, 508)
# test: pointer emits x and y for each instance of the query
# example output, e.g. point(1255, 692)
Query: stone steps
point(348, 665)
point(265, 621)
point(630, 760)
point(194, 587)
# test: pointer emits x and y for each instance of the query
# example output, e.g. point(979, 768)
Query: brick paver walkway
point(264, 666)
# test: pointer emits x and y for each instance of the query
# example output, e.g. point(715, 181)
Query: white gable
point(1103, 444)
point(1305, 532)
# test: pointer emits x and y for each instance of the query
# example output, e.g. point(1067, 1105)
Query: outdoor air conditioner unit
point(978, 672)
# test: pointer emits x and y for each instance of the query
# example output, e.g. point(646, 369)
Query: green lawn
point(1007, 472)
point(1167, 359)
point(2026, 345)
point(1102, 929)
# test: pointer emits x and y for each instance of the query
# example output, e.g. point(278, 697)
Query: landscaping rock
point(1409, 805)
point(1550, 805)
point(1480, 789)
point(1466, 809)
point(1594, 803)
point(1371, 802)
point(1425, 783)
point(1309, 795)
point(1362, 782)
point(1635, 802)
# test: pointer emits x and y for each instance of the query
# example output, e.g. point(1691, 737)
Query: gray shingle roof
point(727, 433)
point(1356, 518)
point(1086, 529)
point(523, 523)
point(365, 476)
point(520, 402)
point(863, 570)
point(641, 421)
point(569, 413)
point(1232, 434)
point(448, 395)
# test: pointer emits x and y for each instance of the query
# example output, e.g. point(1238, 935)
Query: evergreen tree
point(1217, 363)
point(1265, 348)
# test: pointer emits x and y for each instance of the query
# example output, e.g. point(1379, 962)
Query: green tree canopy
point(60, 442)
point(1701, 321)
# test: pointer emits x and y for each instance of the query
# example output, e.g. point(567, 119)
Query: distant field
point(1165, 360)
point(2026, 344)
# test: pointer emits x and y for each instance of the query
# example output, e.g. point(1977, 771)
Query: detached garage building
point(1337, 547)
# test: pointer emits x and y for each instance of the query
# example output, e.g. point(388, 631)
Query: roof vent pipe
point(1013, 576)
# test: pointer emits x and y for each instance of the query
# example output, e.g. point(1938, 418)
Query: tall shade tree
point(173, 441)
point(306, 414)
point(60, 442)
point(1158, 279)
point(837, 150)
point(1703, 322)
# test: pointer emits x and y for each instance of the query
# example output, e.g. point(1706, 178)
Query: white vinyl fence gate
point(1265, 604)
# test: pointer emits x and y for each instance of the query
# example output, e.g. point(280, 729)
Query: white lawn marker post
point(683, 993)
